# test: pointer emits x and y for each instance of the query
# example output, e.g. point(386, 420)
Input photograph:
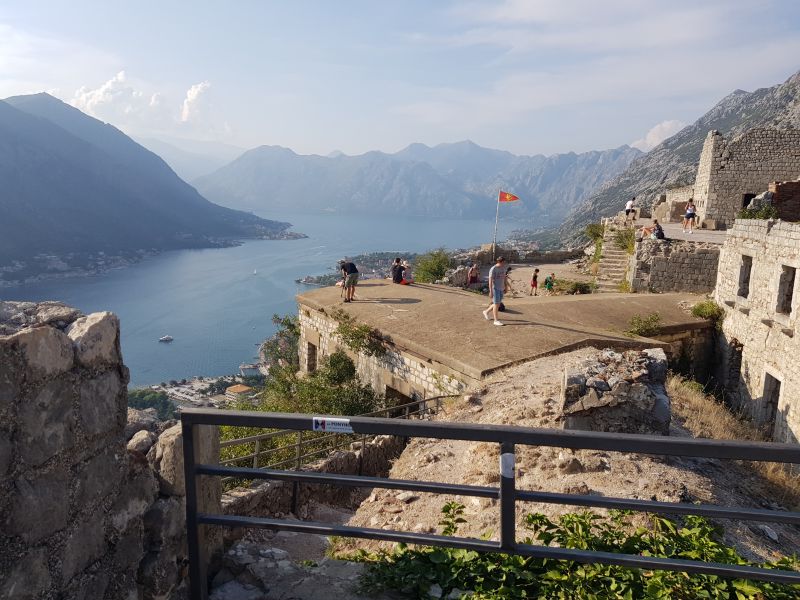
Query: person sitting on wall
point(397, 271)
point(655, 232)
point(473, 275)
point(408, 278)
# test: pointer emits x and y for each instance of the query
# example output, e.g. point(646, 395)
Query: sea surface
point(218, 303)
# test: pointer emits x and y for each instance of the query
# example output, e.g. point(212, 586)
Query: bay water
point(218, 303)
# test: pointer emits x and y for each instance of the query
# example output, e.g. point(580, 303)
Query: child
point(408, 278)
point(549, 282)
point(535, 283)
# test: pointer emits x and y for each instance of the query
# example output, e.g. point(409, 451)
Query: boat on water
point(165, 338)
point(255, 272)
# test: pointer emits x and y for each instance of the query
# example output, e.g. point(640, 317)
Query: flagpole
point(496, 217)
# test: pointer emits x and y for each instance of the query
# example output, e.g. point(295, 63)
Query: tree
point(281, 349)
point(432, 266)
point(147, 398)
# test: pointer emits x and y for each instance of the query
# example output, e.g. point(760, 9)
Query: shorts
point(534, 284)
point(497, 296)
point(628, 211)
point(689, 216)
point(352, 280)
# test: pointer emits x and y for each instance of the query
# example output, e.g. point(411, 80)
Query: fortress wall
point(674, 266)
point(757, 339)
point(746, 164)
point(399, 369)
point(786, 199)
point(674, 206)
point(81, 516)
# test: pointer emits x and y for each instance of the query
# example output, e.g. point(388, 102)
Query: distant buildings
point(237, 392)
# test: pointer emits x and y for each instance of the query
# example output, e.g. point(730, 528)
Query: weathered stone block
point(47, 351)
point(46, 425)
point(85, 545)
point(165, 522)
point(98, 476)
point(142, 441)
point(167, 455)
point(138, 420)
point(102, 404)
point(96, 339)
point(136, 494)
point(28, 578)
point(39, 506)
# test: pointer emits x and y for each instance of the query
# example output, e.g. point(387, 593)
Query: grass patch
point(625, 239)
point(645, 326)
point(708, 309)
point(705, 417)
point(765, 212)
point(624, 286)
point(569, 287)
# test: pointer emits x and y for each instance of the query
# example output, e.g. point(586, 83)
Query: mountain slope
point(448, 180)
point(187, 164)
point(674, 161)
point(72, 184)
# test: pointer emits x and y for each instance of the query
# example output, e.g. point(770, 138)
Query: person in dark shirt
point(349, 279)
point(655, 232)
point(397, 271)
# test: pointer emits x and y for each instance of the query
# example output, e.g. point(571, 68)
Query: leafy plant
point(766, 211)
point(708, 309)
point(281, 349)
point(358, 336)
point(147, 398)
point(625, 239)
point(494, 576)
point(594, 231)
point(432, 266)
point(645, 326)
point(624, 286)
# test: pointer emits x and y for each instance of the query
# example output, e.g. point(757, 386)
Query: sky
point(528, 76)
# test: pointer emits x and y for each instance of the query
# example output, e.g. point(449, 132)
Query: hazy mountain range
point(448, 180)
point(674, 161)
point(191, 159)
point(72, 184)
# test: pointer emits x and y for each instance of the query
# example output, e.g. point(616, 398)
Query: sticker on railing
point(332, 425)
point(507, 464)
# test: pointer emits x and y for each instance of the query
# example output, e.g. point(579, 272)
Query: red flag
point(506, 197)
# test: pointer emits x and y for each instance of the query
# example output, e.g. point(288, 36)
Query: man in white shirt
point(629, 210)
point(497, 285)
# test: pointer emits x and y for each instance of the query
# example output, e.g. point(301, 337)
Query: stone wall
point(747, 164)
point(673, 208)
point(399, 369)
point(758, 340)
point(674, 266)
point(81, 515)
point(786, 199)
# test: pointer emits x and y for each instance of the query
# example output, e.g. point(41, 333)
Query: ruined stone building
point(758, 354)
point(732, 172)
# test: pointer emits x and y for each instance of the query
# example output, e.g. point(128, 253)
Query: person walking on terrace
point(349, 279)
point(688, 219)
point(497, 286)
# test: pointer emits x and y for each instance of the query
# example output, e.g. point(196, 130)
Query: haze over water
point(210, 301)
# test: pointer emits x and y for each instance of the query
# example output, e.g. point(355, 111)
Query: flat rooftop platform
point(446, 324)
point(674, 231)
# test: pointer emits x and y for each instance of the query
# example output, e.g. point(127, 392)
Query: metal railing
point(324, 443)
point(507, 437)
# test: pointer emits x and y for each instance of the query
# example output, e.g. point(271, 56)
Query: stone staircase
point(613, 260)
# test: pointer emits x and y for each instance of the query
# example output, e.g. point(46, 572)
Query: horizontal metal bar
point(547, 552)
point(349, 480)
point(254, 438)
point(703, 510)
point(479, 432)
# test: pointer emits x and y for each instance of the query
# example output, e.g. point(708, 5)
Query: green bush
point(432, 266)
point(594, 231)
point(495, 576)
point(645, 326)
point(147, 398)
point(767, 211)
point(708, 309)
point(624, 286)
point(625, 239)
point(281, 348)
point(570, 287)
point(357, 336)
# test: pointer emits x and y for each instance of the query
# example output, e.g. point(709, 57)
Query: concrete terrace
point(445, 324)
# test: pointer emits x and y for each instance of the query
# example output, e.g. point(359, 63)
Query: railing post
point(198, 585)
point(298, 457)
point(255, 454)
point(507, 497)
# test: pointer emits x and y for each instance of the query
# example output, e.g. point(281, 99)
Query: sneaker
point(346, 300)
point(498, 323)
point(690, 232)
point(684, 231)
point(486, 314)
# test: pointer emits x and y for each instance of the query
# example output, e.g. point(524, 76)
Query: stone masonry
point(620, 392)
point(759, 351)
point(674, 266)
point(398, 369)
point(786, 199)
point(83, 513)
point(673, 207)
point(730, 171)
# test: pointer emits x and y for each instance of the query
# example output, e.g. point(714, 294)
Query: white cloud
point(657, 134)
point(192, 104)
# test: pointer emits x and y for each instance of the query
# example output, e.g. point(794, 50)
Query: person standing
point(535, 283)
point(349, 279)
point(549, 283)
point(397, 271)
point(688, 219)
point(497, 286)
point(629, 209)
point(473, 276)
